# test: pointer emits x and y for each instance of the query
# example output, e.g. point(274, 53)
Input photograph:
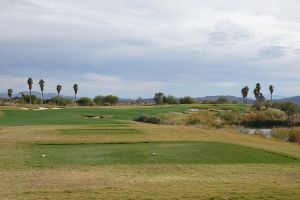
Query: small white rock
point(43, 156)
point(153, 154)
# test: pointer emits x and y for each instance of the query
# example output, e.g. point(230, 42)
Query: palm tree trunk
point(58, 99)
point(42, 97)
point(30, 97)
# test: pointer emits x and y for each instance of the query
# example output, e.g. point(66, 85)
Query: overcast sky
point(134, 48)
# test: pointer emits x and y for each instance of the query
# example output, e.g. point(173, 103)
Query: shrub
point(232, 117)
point(148, 119)
point(291, 135)
point(280, 134)
point(63, 101)
point(85, 101)
point(207, 118)
point(34, 99)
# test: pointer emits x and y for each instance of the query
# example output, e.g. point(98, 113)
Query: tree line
point(84, 101)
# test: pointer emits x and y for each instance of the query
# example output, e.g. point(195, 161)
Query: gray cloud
point(182, 43)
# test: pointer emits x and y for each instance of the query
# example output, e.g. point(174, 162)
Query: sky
point(133, 48)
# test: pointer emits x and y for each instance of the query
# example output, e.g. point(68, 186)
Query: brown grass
point(154, 182)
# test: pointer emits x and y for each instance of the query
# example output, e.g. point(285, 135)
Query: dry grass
point(154, 182)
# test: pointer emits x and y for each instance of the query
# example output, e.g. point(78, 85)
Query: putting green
point(141, 153)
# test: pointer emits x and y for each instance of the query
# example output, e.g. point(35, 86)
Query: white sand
point(56, 108)
point(24, 108)
point(41, 108)
point(194, 109)
point(92, 117)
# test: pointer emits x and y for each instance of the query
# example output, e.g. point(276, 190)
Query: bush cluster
point(148, 119)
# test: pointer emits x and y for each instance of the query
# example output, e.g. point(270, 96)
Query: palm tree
point(9, 93)
point(23, 97)
point(75, 87)
point(42, 84)
point(58, 88)
point(245, 92)
point(271, 88)
point(30, 83)
point(258, 96)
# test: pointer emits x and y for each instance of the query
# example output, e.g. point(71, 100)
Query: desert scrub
point(232, 117)
point(204, 118)
point(172, 118)
point(291, 135)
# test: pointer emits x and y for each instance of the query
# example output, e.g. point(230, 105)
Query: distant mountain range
point(295, 99)
point(228, 97)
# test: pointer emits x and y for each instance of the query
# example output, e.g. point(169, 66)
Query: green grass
point(141, 153)
point(105, 131)
point(111, 115)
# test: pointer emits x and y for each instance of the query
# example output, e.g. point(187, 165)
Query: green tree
point(75, 87)
point(186, 100)
point(10, 93)
point(30, 83)
point(171, 99)
point(112, 100)
point(258, 96)
point(42, 86)
point(159, 98)
point(98, 100)
point(58, 89)
point(245, 92)
point(271, 88)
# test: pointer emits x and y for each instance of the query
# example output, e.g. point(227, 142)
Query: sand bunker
point(41, 108)
point(56, 108)
point(93, 117)
point(24, 108)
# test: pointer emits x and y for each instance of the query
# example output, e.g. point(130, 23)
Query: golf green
point(151, 153)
